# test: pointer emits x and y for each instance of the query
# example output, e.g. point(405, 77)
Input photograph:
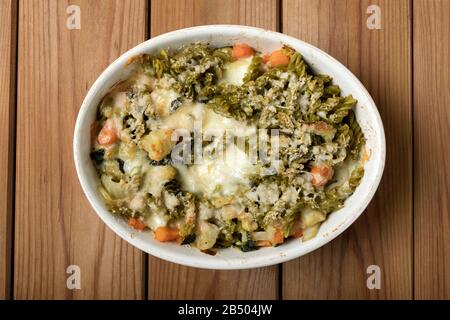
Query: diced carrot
point(165, 234)
point(279, 58)
point(263, 243)
point(136, 224)
point(321, 174)
point(107, 134)
point(242, 50)
point(278, 237)
point(297, 234)
point(296, 229)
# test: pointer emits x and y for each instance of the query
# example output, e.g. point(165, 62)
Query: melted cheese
point(235, 71)
point(342, 172)
point(215, 123)
point(162, 98)
point(156, 220)
point(119, 100)
point(144, 81)
point(137, 162)
point(184, 117)
point(224, 174)
point(196, 114)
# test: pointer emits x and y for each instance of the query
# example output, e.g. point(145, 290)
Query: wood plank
point(8, 33)
point(382, 235)
point(431, 31)
point(170, 281)
point(55, 226)
point(177, 14)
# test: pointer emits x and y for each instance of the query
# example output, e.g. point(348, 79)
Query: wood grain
point(8, 34)
point(170, 281)
point(383, 234)
point(55, 226)
point(431, 32)
point(176, 14)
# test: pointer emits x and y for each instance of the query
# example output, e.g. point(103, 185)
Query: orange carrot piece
point(298, 233)
point(278, 237)
point(242, 50)
point(321, 174)
point(165, 234)
point(107, 134)
point(136, 224)
point(296, 229)
point(279, 58)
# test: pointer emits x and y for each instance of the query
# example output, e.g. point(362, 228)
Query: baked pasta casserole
point(219, 147)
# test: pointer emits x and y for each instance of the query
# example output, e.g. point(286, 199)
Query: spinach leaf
point(97, 156)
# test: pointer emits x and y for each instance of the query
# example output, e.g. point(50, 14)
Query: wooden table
point(46, 223)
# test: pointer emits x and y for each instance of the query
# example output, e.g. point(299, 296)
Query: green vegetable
point(254, 69)
point(357, 136)
point(189, 239)
point(97, 155)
